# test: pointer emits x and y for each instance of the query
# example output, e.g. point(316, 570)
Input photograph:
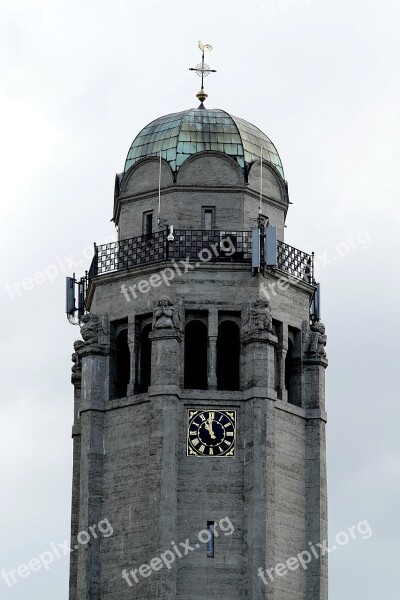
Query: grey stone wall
point(130, 462)
point(206, 179)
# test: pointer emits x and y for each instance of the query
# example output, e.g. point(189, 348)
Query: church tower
point(199, 432)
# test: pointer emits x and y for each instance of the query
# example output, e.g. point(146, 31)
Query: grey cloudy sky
point(78, 81)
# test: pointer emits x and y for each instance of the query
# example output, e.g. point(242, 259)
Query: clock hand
point(208, 426)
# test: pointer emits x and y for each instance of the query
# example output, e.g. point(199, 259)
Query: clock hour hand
point(208, 426)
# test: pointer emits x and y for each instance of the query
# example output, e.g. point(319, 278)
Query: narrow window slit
point(210, 543)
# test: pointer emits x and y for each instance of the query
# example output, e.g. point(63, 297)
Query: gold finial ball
point(202, 96)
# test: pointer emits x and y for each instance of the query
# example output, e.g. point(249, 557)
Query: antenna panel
point(255, 248)
point(316, 304)
point(81, 297)
point(271, 251)
point(70, 295)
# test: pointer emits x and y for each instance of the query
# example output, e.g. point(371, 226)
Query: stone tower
point(199, 431)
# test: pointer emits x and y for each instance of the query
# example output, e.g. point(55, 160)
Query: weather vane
point(202, 71)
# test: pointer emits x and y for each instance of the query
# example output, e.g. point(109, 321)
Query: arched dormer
point(210, 169)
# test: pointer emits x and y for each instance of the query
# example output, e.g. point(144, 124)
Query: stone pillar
point(212, 347)
point(259, 362)
point(314, 365)
point(165, 360)
point(132, 349)
point(76, 380)
point(282, 358)
point(259, 495)
point(259, 343)
point(163, 486)
point(94, 356)
point(317, 506)
point(282, 393)
point(166, 339)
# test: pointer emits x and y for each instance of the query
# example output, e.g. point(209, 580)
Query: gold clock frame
point(230, 414)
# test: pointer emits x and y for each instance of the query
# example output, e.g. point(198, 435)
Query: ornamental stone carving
point(90, 326)
point(166, 315)
point(94, 332)
point(257, 317)
point(77, 364)
point(315, 340)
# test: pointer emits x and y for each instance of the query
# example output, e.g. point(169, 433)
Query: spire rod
point(202, 71)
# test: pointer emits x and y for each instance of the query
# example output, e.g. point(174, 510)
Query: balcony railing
point(198, 246)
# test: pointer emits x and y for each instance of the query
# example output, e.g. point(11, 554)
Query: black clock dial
point(211, 433)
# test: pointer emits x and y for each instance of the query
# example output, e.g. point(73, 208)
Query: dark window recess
point(196, 344)
point(121, 365)
point(276, 370)
point(148, 223)
point(210, 543)
point(289, 363)
point(144, 359)
point(228, 356)
point(293, 367)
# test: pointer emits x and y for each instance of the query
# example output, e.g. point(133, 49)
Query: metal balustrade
point(197, 246)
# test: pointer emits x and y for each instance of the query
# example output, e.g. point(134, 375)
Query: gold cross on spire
point(202, 71)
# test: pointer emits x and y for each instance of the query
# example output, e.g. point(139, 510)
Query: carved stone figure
point(257, 317)
point(166, 315)
point(77, 366)
point(316, 340)
point(90, 328)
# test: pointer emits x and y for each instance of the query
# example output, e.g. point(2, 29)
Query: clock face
point(211, 432)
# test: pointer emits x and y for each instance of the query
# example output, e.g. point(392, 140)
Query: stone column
point(259, 495)
point(166, 339)
point(76, 380)
point(132, 349)
point(94, 356)
point(212, 348)
point(282, 393)
point(165, 360)
point(259, 342)
point(314, 365)
point(259, 362)
point(314, 362)
point(282, 361)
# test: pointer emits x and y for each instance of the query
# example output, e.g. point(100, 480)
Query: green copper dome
point(182, 134)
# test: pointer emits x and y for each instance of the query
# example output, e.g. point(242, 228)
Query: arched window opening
point(228, 356)
point(122, 364)
point(144, 356)
point(196, 344)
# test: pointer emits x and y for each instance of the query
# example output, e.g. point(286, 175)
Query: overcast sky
point(78, 82)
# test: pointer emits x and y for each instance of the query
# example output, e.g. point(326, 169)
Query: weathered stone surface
point(130, 460)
